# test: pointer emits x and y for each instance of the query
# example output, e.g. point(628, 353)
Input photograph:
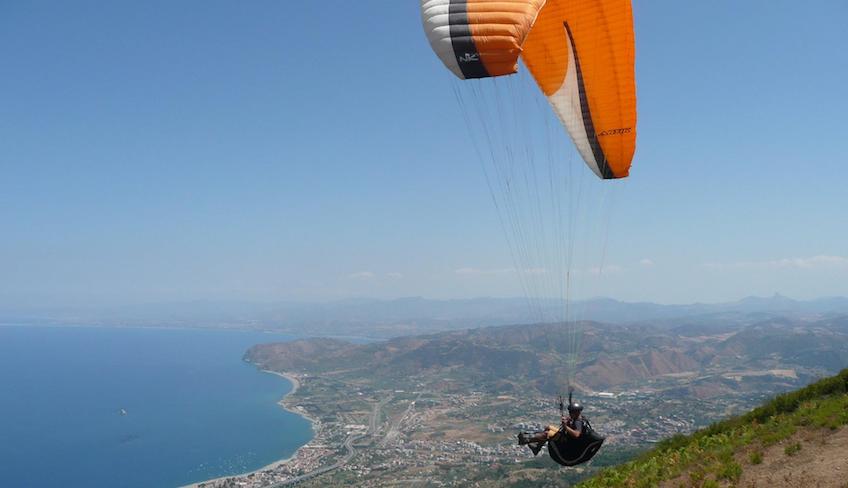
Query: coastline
point(316, 426)
point(295, 381)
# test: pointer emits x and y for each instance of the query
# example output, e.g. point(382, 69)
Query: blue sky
point(271, 150)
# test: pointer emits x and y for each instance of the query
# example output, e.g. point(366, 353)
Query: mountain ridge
point(613, 357)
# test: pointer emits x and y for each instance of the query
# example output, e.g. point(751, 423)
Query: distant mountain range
point(415, 315)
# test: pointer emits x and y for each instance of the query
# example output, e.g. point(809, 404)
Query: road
point(348, 444)
point(373, 426)
point(374, 419)
point(394, 428)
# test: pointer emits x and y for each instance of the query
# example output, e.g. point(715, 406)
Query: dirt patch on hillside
point(822, 461)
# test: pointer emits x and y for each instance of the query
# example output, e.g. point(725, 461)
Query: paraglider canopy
point(580, 55)
point(580, 52)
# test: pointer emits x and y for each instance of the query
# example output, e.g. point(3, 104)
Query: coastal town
point(425, 437)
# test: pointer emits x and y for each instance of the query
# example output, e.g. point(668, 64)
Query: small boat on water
point(123, 412)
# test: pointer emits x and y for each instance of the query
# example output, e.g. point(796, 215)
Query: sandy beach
point(316, 425)
point(292, 379)
point(295, 381)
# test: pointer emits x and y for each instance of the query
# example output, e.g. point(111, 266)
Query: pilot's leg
point(536, 447)
point(525, 438)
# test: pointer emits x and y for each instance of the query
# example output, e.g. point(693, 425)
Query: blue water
point(195, 410)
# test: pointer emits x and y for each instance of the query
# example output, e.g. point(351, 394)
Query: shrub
point(777, 432)
point(756, 457)
point(673, 443)
point(696, 476)
point(792, 449)
point(731, 471)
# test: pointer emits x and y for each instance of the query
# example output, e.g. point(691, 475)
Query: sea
point(137, 407)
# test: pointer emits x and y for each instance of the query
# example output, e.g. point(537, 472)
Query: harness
point(569, 451)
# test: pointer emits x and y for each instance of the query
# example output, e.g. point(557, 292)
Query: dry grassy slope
point(798, 439)
point(821, 462)
point(609, 371)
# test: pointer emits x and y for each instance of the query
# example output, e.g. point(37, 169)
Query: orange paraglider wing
point(581, 53)
point(479, 38)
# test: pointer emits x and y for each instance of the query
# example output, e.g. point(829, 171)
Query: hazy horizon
point(520, 301)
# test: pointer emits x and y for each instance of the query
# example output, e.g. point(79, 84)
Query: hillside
point(766, 357)
point(796, 439)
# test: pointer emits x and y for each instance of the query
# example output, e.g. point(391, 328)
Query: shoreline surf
point(316, 426)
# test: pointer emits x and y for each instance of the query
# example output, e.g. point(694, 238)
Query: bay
point(133, 407)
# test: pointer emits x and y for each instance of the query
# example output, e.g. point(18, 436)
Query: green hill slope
point(797, 433)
